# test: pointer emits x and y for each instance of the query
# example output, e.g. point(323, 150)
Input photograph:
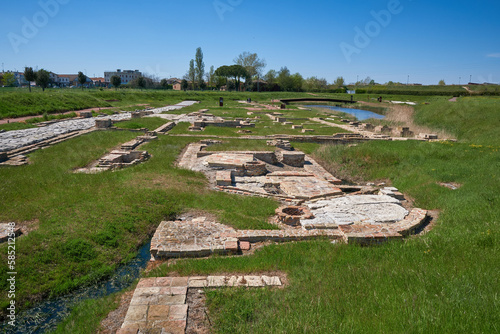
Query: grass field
point(445, 281)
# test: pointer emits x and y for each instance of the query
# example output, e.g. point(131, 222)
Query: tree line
point(246, 74)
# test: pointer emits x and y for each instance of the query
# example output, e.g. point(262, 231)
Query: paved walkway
point(11, 140)
point(159, 303)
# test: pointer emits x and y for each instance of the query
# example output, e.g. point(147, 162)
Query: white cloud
point(493, 55)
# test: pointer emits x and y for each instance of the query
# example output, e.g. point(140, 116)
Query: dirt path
point(23, 119)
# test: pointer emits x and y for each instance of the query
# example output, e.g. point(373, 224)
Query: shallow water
point(360, 114)
point(47, 315)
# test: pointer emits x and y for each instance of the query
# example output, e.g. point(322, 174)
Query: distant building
point(66, 80)
point(176, 85)
point(125, 75)
point(100, 82)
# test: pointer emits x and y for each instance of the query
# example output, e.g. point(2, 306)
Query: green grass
point(445, 281)
point(88, 224)
point(87, 315)
point(150, 123)
point(16, 126)
point(473, 119)
point(264, 127)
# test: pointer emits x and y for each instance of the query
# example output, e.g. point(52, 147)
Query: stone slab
point(229, 161)
point(360, 209)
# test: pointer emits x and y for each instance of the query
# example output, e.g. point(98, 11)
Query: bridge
point(312, 99)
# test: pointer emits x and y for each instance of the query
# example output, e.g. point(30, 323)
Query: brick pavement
point(159, 303)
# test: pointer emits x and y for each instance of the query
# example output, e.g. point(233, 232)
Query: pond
point(45, 317)
point(360, 114)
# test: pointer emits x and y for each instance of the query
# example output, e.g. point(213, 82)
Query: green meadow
point(443, 281)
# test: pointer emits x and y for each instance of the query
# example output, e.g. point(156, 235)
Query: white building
point(125, 75)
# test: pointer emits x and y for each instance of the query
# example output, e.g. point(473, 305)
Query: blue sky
point(385, 40)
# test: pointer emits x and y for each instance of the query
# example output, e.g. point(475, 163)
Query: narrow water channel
point(45, 317)
point(360, 114)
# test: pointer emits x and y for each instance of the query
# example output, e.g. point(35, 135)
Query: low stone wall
point(103, 123)
point(291, 158)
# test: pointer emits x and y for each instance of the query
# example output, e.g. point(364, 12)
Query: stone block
point(178, 312)
point(136, 313)
point(271, 280)
point(297, 127)
point(103, 123)
point(254, 281)
point(231, 246)
point(128, 330)
point(428, 136)
point(172, 326)
point(236, 281)
point(170, 300)
point(146, 282)
point(215, 281)
point(245, 245)
point(158, 312)
point(307, 130)
point(162, 281)
point(197, 283)
point(223, 178)
point(291, 158)
point(84, 114)
point(179, 281)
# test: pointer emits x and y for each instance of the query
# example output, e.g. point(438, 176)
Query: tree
point(116, 81)
point(210, 76)
point(339, 82)
point(251, 62)
point(297, 82)
point(82, 78)
point(314, 84)
point(9, 79)
point(29, 75)
point(222, 72)
point(284, 79)
point(191, 73)
point(237, 72)
point(271, 77)
point(164, 84)
point(184, 84)
point(200, 67)
point(442, 83)
point(141, 82)
point(42, 78)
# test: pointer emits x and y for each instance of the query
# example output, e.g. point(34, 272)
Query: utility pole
point(470, 79)
point(408, 80)
point(459, 79)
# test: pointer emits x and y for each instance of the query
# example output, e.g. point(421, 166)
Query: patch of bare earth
point(114, 320)
point(198, 320)
point(403, 116)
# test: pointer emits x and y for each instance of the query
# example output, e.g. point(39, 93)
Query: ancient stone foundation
point(295, 159)
point(103, 123)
